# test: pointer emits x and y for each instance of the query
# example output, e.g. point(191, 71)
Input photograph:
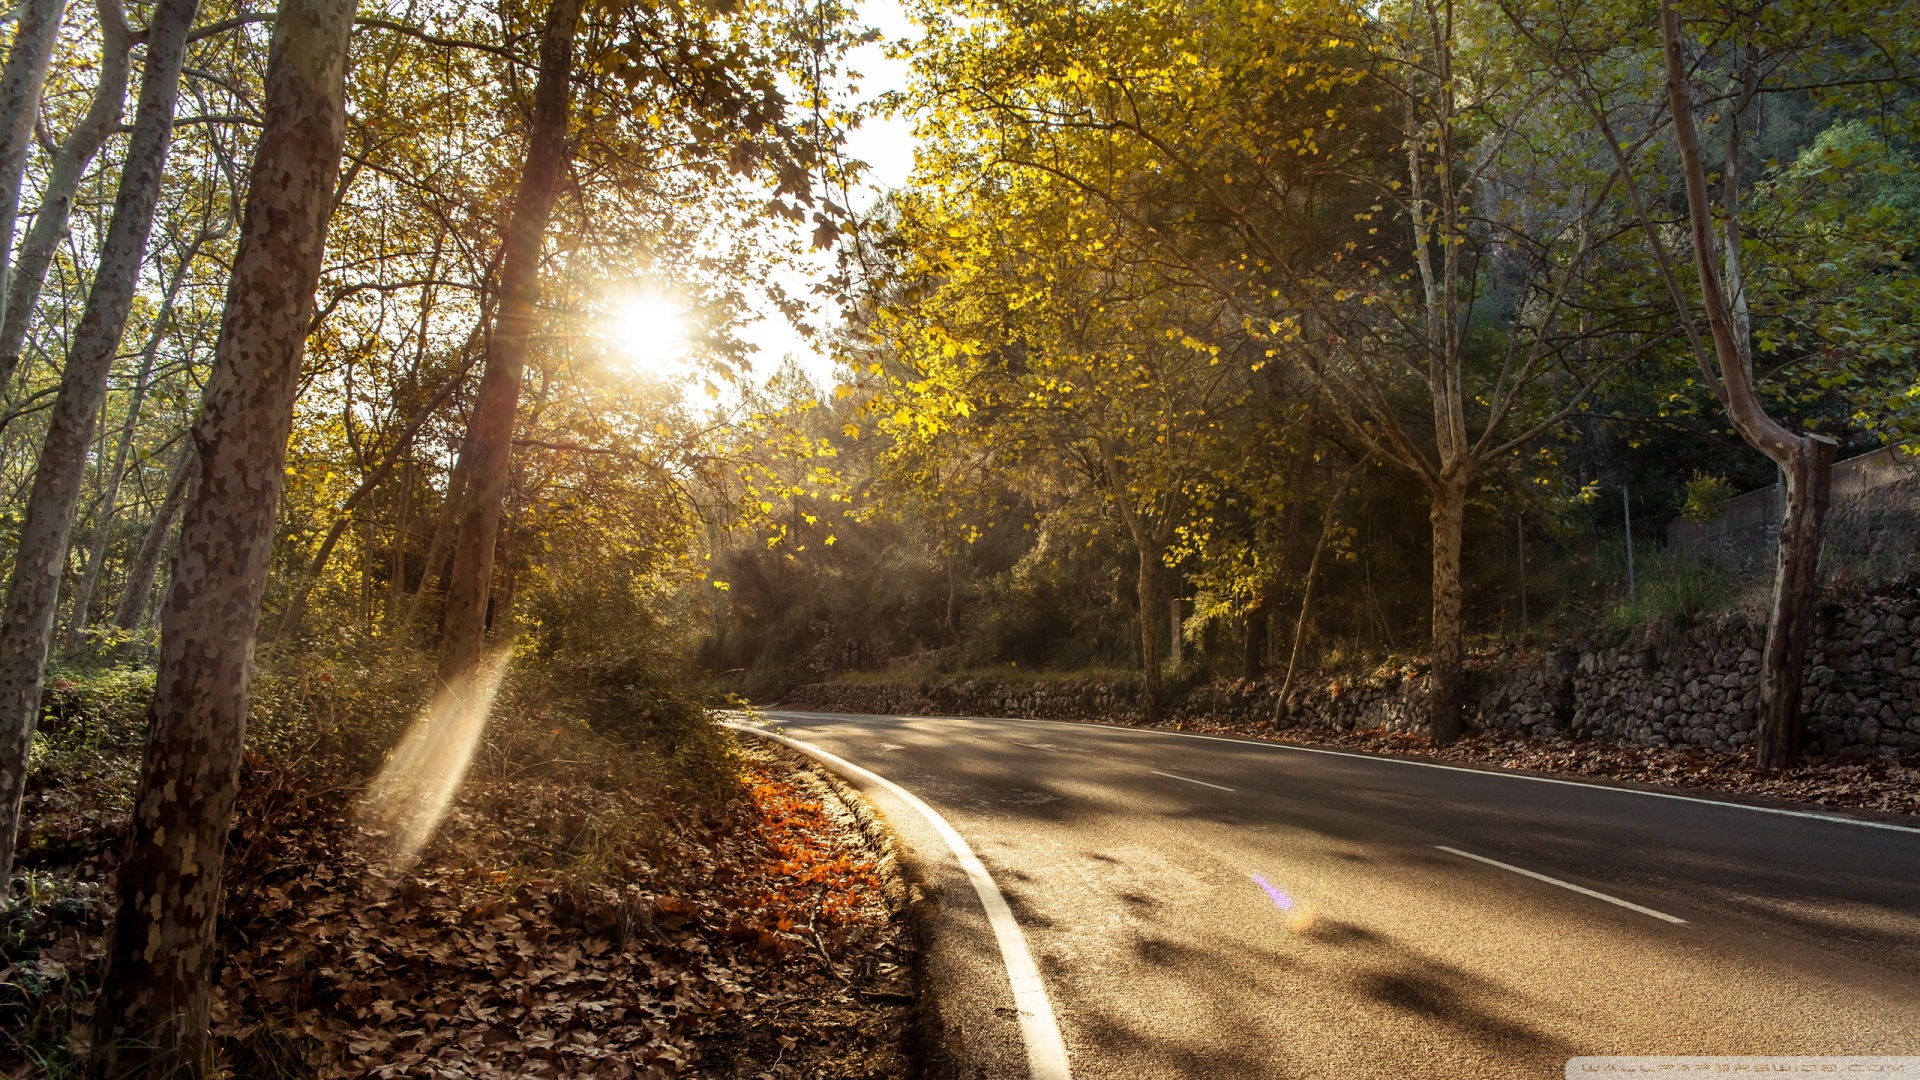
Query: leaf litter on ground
point(757, 939)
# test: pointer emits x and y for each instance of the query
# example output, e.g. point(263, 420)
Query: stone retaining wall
point(1700, 686)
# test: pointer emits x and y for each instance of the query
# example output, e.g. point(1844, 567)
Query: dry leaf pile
point(1887, 785)
point(752, 939)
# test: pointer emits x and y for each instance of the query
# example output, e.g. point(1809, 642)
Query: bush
point(599, 654)
point(1705, 497)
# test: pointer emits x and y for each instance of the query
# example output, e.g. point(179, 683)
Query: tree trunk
point(1809, 481)
point(109, 498)
point(1150, 609)
point(1805, 460)
point(490, 431)
point(1300, 626)
point(1253, 660)
point(430, 566)
point(402, 515)
point(21, 80)
point(153, 1009)
point(1328, 520)
point(297, 604)
point(146, 563)
point(1448, 516)
point(70, 161)
point(1176, 627)
point(42, 552)
point(953, 591)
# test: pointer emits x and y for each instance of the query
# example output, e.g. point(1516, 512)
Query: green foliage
point(1674, 593)
point(1705, 496)
point(1836, 296)
point(603, 654)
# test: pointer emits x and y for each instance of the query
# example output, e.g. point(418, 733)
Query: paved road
point(1218, 908)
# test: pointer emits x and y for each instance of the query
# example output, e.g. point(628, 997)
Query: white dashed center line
point(1190, 780)
point(1568, 885)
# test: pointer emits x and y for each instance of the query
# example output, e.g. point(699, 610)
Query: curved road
point(1205, 907)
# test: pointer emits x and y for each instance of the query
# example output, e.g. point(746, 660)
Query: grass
point(1675, 591)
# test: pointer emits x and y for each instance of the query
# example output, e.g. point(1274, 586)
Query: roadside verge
point(958, 968)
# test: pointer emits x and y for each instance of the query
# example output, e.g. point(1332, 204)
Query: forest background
point(1327, 336)
point(1207, 337)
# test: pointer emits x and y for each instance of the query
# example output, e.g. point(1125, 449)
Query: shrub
point(1705, 497)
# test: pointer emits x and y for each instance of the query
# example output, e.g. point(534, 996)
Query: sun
point(646, 329)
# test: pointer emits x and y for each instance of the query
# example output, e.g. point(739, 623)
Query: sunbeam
point(410, 796)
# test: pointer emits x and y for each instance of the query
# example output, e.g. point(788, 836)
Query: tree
point(1034, 332)
point(714, 94)
point(70, 160)
point(1264, 150)
point(1806, 461)
point(117, 471)
point(21, 79)
point(1789, 52)
point(152, 1015)
point(42, 552)
point(489, 445)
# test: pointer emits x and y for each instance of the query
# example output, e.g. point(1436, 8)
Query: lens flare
point(416, 786)
point(1299, 918)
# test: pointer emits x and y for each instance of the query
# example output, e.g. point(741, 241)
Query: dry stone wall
point(1697, 687)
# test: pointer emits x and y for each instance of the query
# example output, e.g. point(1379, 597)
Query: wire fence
point(1873, 525)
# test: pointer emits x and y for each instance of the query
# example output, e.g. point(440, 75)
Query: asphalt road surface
point(1219, 908)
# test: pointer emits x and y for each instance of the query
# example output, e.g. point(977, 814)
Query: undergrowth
point(1674, 590)
point(588, 764)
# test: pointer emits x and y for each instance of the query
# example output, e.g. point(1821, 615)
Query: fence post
point(1626, 507)
point(1520, 530)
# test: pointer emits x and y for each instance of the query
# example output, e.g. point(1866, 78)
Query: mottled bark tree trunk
point(70, 163)
point(1448, 517)
point(21, 80)
point(116, 472)
point(42, 552)
point(1809, 481)
point(490, 431)
point(152, 1014)
point(146, 562)
point(1437, 221)
point(1806, 461)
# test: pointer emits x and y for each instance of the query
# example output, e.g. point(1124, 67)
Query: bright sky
point(647, 327)
point(886, 145)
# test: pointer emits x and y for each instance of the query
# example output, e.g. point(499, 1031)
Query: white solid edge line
point(1046, 1052)
point(1582, 890)
point(1190, 780)
point(1835, 818)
